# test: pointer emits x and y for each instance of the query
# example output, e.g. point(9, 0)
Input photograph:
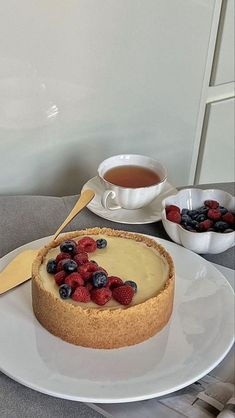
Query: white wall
point(84, 79)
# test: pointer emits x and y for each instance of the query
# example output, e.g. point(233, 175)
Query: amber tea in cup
point(132, 176)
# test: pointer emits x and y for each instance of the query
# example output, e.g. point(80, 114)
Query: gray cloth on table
point(27, 218)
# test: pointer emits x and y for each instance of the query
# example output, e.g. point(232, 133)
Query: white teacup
point(119, 197)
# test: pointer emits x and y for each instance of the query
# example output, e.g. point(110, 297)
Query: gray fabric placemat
point(18, 401)
point(27, 218)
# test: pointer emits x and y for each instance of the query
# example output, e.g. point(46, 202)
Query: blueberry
point(193, 213)
point(65, 291)
point(132, 284)
point(68, 247)
point(222, 210)
point(99, 279)
point(51, 266)
point(228, 230)
point(185, 219)
point(201, 217)
point(193, 224)
point(101, 243)
point(220, 226)
point(203, 210)
point(70, 266)
point(184, 211)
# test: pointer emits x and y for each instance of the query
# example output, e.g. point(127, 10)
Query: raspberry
point(93, 261)
point(59, 277)
point(214, 214)
point(205, 225)
point(101, 296)
point(74, 280)
point(212, 204)
point(89, 286)
point(81, 258)
point(81, 294)
point(174, 216)
point(123, 294)
point(78, 250)
point(169, 208)
point(229, 217)
point(62, 256)
point(86, 245)
point(87, 269)
point(113, 282)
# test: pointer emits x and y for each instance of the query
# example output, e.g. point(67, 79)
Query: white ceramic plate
point(146, 215)
point(197, 338)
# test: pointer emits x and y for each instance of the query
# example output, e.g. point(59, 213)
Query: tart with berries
point(103, 288)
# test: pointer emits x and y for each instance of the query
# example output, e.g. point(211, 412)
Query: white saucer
point(146, 215)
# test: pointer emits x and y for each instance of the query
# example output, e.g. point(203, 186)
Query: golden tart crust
point(102, 328)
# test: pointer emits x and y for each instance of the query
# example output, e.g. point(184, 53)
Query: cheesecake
point(112, 289)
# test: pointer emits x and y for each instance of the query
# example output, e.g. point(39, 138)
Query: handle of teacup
point(106, 198)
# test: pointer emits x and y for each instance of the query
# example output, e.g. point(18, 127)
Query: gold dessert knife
point(19, 269)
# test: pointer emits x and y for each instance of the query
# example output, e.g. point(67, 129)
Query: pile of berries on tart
point(82, 279)
point(209, 217)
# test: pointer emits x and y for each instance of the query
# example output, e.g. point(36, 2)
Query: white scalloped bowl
point(200, 242)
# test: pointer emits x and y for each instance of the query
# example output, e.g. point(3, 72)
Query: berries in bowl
point(200, 220)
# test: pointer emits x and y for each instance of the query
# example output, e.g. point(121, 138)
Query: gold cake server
point(19, 269)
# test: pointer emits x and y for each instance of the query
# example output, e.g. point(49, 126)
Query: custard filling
point(124, 258)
